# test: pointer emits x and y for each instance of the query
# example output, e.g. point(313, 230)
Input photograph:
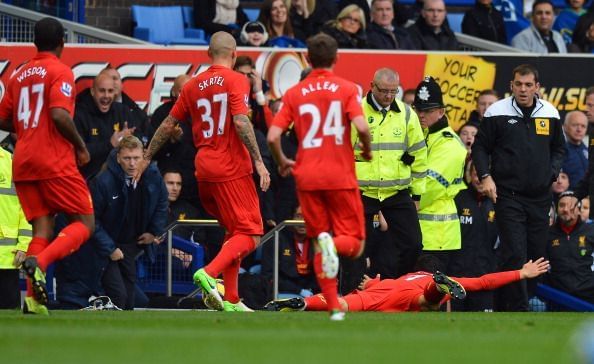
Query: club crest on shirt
point(246, 99)
point(66, 89)
point(116, 127)
point(542, 126)
point(491, 216)
point(555, 242)
point(582, 241)
point(94, 131)
point(182, 216)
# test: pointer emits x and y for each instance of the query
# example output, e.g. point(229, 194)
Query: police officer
point(394, 180)
point(15, 235)
point(446, 155)
point(518, 152)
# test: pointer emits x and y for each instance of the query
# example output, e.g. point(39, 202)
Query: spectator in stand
point(349, 28)
point(585, 210)
point(102, 122)
point(219, 15)
point(381, 33)
point(540, 36)
point(130, 222)
point(253, 34)
point(485, 99)
point(586, 186)
point(15, 236)
point(583, 35)
point(485, 22)
point(431, 31)
point(403, 14)
point(139, 117)
point(575, 163)
point(179, 209)
point(295, 269)
point(570, 247)
point(274, 14)
point(308, 16)
point(178, 152)
point(467, 133)
point(516, 171)
point(479, 236)
point(567, 18)
point(446, 156)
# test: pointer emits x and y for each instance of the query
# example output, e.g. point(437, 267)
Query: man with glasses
point(381, 33)
point(394, 180)
point(431, 31)
point(446, 155)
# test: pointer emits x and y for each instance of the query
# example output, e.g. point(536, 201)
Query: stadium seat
point(188, 14)
point(252, 14)
point(562, 299)
point(455, 21)
point(164, 25)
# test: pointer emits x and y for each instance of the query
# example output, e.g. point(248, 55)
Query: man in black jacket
point(569, 249)
point(485, 22)
point(518, 153)
point(381, 33)
point(431, 31)
point(101, 122)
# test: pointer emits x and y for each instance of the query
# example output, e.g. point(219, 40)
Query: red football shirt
point(322, 107)
point(211, 99)
point(40, 85)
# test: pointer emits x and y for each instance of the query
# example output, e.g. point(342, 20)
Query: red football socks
point(234, 249)
point(347, 246)
point(230, 278)
point(315, 303)
point(67, 242)
point(328, 286)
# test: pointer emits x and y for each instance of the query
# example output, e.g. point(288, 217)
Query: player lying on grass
point(419, 291)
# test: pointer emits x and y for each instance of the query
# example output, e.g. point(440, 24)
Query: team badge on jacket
point(542, 126)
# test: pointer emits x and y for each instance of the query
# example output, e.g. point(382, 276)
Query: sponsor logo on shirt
point(66, 89)
point(542, 126)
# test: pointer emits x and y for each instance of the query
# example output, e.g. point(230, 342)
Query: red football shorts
point(68, 194)
point(234, 203)
point(339, 211)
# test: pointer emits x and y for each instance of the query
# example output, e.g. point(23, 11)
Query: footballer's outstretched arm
point(244, 129)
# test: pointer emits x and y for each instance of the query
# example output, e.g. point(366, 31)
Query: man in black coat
point(485, 22)
point(431, 31)
point(381, 33)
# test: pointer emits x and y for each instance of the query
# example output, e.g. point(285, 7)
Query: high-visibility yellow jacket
point(438, 216)
point(15, 231)
point(392, 135)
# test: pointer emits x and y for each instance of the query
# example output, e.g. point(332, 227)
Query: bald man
point(576, 157)
point(215, 102)
point(101, 121)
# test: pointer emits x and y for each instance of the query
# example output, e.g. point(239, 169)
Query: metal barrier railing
point(274, 233)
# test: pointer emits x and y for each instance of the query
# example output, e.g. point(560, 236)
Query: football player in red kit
point(419, 291)
point(216, 102)
point(38, 105)
point(322, 108)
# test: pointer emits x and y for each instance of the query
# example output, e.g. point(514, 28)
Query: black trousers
point(394, 254)
point(523, 225)
point(119, 278)
point(10, 294)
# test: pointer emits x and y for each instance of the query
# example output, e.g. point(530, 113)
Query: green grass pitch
point(300, 337)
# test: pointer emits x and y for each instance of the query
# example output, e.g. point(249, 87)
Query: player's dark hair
point(428, 263)
point(321, 50)
point(49, 34)
point(243, 61)
point(525, 69)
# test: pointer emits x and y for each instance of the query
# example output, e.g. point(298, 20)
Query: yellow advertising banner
point(461, 78)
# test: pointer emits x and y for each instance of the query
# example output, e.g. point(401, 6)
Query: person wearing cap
point(446, 155)
point(253, 34)
point(394, 180)
point(569, 248)
point(518, 153)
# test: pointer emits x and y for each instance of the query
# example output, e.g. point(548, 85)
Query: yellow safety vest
point(438, 215)
point(392, 135)
point(15, 231)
